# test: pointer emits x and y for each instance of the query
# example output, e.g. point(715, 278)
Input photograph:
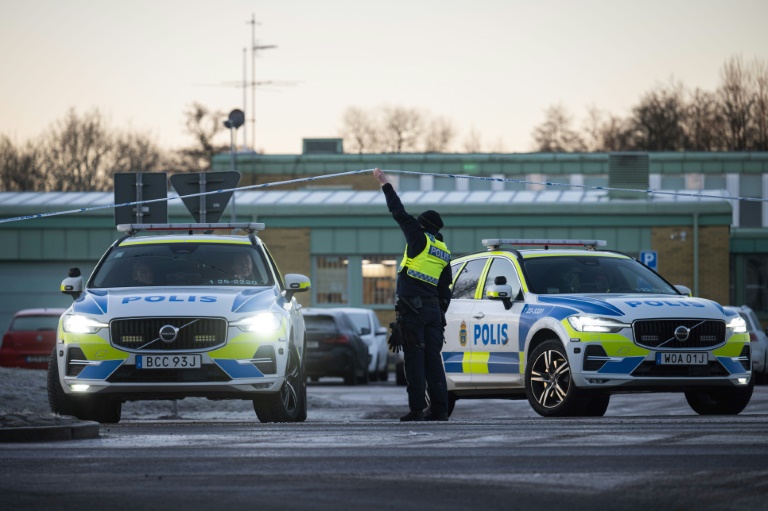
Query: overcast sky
point(492, 66)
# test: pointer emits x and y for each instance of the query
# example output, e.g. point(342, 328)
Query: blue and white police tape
point(352, 172)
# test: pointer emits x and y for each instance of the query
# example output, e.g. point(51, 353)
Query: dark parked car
point(30, 338)
point(334, 348)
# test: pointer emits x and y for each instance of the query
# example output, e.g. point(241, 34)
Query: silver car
point(758, 342)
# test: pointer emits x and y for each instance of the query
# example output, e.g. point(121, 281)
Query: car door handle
point(479, 315)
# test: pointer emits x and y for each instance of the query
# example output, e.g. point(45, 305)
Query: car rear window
point(33, 323)
point(320, 323)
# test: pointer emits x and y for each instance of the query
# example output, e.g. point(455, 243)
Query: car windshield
point(183, 264)
point(592, 275)
point(29, 323)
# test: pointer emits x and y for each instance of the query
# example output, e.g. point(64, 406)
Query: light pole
point(235, 120)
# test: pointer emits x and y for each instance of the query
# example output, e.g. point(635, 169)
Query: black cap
point(430, 220)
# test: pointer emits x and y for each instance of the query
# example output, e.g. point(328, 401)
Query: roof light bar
point(248, 227)
point(495, 243)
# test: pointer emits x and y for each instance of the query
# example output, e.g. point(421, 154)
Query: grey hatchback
point(334, 348)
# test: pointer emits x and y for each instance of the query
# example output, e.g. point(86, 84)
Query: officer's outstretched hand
point(380, 176)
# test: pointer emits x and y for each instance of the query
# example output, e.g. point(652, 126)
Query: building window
point(672, 182)
point(409, 183)
point(379, 276)
point(330, 280)
point(756, 283)
point(714, 182)
point(751, 212)
point(591, 182)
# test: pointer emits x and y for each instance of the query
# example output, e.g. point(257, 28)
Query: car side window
point(502, 267)
point(466, 282)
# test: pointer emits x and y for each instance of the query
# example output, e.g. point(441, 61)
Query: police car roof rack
point(131, 229)
point(495, 243)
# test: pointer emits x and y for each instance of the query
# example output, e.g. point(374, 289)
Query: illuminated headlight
point(263, 323)
point(596, 324)
point(75, 324)
point(737, 325)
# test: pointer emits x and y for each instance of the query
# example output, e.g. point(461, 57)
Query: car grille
point(129, 374)
point(660, 333)
point(143, 334)
point(651, 369)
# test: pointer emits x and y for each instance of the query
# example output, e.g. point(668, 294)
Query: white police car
point(181, 315)
point(568, 327)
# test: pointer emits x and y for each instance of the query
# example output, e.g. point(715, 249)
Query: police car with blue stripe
point(567, 327)
point(190, 314)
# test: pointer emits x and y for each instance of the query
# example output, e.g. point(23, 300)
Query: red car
point(30, 338)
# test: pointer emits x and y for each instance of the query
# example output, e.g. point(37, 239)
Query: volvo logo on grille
point(682, 333)
point(168, 333)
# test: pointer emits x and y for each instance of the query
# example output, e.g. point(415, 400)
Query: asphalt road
point(649, 452)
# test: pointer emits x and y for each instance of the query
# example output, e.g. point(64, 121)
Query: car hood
point(159, 301)
point(636, 306)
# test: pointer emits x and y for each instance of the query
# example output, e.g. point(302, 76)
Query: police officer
point(423, 295)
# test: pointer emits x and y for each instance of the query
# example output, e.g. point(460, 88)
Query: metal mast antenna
point(254, 49)
point(245, 96)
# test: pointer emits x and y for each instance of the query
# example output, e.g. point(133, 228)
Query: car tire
point(384, 374)
point(548, 385)
point(289, 404)
point(59, 402)
point(720, 401)
point(87, 408)
point(597, 404)
point(101, 410)
point(351, 377)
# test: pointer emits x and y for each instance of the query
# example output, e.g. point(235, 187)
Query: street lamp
point(235, 120)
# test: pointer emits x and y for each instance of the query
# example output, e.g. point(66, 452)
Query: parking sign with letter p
point(649, 258)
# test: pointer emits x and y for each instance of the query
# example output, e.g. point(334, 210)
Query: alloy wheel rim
point(550, 379)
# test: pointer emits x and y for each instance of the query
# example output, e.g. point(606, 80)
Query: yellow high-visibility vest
point(428, 265)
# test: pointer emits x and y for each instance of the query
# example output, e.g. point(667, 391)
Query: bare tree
point(472, 142)
point(703, 125)
point(659, 119)
point(439, 135)
point(19, 167)
point(736, 102)
point(203, 124)
point(555, 134)
point(134, 152)
point(75, 153)
point(401, 129)
point(760, 118)
point(359, 130)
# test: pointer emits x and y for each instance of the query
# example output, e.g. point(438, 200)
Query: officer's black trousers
point(423, 361)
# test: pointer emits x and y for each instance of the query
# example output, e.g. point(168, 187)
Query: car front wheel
point(721, 401)
point(550, 388)
point(289, 404)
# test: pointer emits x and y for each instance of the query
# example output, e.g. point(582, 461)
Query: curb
point(80, 431)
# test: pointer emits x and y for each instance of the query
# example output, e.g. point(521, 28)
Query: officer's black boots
point(413, 416)
point(436, 416)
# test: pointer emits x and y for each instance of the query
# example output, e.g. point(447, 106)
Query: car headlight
point(263, 323)
point(596, 324)
point(737, 325)
point(76, 324)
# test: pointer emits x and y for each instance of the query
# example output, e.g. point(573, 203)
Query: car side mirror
point(382, 330)
point(73, 284)
point(684, 290)
point(501, 292)
point(365, 331)
point(296, 283)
